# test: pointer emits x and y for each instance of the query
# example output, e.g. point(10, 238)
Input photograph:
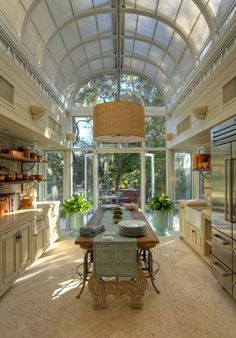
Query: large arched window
point(132, 88)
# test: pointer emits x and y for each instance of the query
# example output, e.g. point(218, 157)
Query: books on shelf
point(10, 202)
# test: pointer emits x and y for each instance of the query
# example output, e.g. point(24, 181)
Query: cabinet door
point(39, 242)
point(8, 258)
point(25, 245)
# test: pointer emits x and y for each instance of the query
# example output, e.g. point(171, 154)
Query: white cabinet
point(40, 238)
point(195, 228)
point(16, 252)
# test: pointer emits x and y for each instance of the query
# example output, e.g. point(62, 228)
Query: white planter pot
point(76, 222)
point(160, 222)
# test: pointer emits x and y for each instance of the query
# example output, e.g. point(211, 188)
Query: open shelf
point(20, 182)
point(22, 159)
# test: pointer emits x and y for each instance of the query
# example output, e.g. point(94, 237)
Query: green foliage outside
point(133, 88)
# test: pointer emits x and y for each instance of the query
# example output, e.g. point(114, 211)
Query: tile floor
point(42, 303)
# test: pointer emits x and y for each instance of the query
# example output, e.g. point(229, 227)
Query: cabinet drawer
point(222, 273)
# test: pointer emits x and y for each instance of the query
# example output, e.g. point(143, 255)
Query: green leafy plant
point(161, 203)
point(75, 204)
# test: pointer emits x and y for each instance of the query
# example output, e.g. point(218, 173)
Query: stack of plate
point(132, 228)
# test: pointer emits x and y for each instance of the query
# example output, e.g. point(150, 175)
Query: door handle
point(226, 190)
point(221, 240)
point(220, 269)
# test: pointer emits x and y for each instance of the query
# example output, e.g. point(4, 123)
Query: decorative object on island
point(76, 208)
point(201, 162)
point(117, 214)
point(119, 122)
point(161, 206)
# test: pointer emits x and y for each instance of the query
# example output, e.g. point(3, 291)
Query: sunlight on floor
point(65, 287)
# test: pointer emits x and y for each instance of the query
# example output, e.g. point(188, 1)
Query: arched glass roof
point(104, 88)
point(75, 40)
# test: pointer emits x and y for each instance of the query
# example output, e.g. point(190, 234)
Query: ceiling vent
point(229, 91)
point(6, 91)
point(184, 125)
point(54, 127)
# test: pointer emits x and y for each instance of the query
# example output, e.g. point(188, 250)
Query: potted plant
point(75, 207)
point(161, 206)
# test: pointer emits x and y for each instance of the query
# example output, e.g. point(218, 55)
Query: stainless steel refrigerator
point(223, 163)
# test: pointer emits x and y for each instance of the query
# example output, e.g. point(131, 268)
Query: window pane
point(183, 176)
point(83, 173)
point(155, 128)
point(55, 176)
point(83, 130)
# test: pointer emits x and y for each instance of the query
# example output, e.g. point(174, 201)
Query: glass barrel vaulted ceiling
point(73, 41)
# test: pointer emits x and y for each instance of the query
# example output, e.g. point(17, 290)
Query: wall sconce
point(70, 137)
point(168, 136)
point(37, 111)
point(200, 112)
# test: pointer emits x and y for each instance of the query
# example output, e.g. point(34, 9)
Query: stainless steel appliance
point(223, 163)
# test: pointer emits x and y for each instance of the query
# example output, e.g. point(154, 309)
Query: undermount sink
point(200, 208)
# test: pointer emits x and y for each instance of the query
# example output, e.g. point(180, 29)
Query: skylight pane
point(67, 67)
point(60, 9)
point(87, 27)
point(163, 33)
point(177, 46)
point(70, 35)
point(12, 10)
point(57, 48)
point(187, 63)
point(141, 48)
point(200, 33)
point(81, 5)
point(50, 67)
point(146, 26)
point(155, 55)
point(104, 23)
point(130, 23)
point(43, 20)
point(107, 45)
point(147, 4)
point(33, 41)
point(167, 65)
point(78, 56)
point(128, 45)
point(169, 8)
point(84, 71)
point(126, 62)
point(150, 71)
point(96, 65)
point(161, 78)
point(137, 65)
point(109, 63)
point(92, 49)
point(187, 15)
point(220, 7)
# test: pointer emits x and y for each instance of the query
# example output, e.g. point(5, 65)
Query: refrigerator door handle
point(232, 190)
point(221, 240)
point(226, 190)
point(220, 269)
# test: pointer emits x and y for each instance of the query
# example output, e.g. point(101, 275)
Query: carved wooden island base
point(134, 288)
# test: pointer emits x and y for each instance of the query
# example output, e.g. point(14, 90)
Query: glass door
point(183, 176)
point(119, 178)
point(83, 173)
point(54, 187)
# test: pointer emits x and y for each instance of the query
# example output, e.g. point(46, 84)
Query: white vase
point(76, 222)
point(160, 222)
